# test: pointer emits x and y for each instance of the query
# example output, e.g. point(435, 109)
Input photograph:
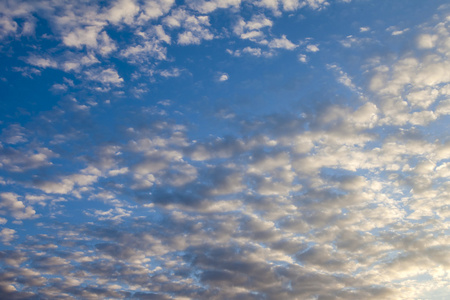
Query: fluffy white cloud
point(15, 207)
point(312, 48)
point(282, 43)
point(155, 9)
point(364, 29)
point(426, 41)
point(83, 37)
point(123, 11)
point(302, 58)
point(24, 158)
point(252, 29)
point(7, 235)
point(412, 84)
point(105, 76)
point(41, 62)
point(195, 27)
point(223, 77)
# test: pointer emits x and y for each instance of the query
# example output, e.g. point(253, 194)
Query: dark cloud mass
point(224, 149)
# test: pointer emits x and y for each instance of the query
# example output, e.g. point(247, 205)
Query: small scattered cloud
point(14, 134)
point(223, 77)
point(7, 235)
point(16, 208)
point(58, 87)
point(282, 43)
point(174, 72)
point(399, 32)
point(302, 58)
point(253, 29)
point(343, 77)
point(312, 48)
point(116, 215)
point(364, 29)
point(41, 62)
point(165, 102)
point(105, 76)
point(253, 51)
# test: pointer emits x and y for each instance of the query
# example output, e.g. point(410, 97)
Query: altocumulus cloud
point(132, 167)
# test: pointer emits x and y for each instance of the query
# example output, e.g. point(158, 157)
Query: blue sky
point(225, 149)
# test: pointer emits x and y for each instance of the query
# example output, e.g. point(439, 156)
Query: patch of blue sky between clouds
point(224, 149)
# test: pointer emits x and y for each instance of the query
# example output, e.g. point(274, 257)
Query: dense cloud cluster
point(108, 197)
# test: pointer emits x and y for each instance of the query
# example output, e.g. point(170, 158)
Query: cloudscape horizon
point(225, 149)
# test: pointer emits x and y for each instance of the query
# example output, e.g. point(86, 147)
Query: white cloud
point(166, 102)
point(155, 9)
point(194, 38)
point(252, 51)
point(282, 43)
point(257, 22)
point(254, 35)
point(343, 77)
point(106, 44)
point(364, 29)
point(15, 207)
point(7, 235)
point(115, 214)
point(223, 77)
point(291, 5)
point(106, 76)
point(302, 58)
point(89, 59)
point(195, 27)
point(14, 134)
point(80, 37)
point(122, 11)
point(252, 29)
point(57, 87)
point(146, 50)
point(210, 6)
point(422, 98)
point(24, 158)
point(175, 72)
point(312, 48)
point(120, 171)
point(42, 62)
point(11, 12)
point(426, 41)
point(74, 183)
point(162, 36)
point(317, 4)
point(411, 85)
point(269, 4)
point(399, 32)
point(7, 27)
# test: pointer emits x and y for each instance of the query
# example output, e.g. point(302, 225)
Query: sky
point(225, 149)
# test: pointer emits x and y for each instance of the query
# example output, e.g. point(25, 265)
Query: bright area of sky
point(224, 149)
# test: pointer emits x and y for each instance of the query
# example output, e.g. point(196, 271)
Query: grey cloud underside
point(271, 214)
point(341, 202)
